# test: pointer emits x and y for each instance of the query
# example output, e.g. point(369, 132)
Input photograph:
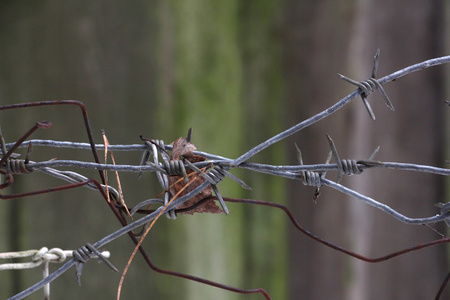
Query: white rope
point(43, 257)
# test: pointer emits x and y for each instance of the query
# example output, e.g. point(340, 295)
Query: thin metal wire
point(385, 208)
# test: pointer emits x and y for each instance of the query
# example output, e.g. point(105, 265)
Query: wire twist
point(350, 166)
point(14, 166)
point(154, 149)
point(83, 254)
point(369, 86)
point(311, 178)
point(214, 176)
point(18, 166)
point(176, 167)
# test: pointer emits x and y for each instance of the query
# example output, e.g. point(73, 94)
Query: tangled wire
point(189, 180)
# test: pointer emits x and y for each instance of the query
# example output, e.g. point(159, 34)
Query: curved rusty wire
point(112, 205)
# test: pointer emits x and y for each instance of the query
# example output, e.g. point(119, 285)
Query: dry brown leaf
point(183, 148)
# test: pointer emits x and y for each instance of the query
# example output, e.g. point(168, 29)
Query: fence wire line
point(293, 172)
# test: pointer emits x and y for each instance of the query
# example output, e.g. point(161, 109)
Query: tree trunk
point(406, 33)
point(156, 69)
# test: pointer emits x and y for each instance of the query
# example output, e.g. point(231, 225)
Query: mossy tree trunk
point(156, 69)
point(333, 37)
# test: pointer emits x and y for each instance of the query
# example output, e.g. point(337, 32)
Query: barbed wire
point(287, 171)
point(218, 167)
point(42, 257)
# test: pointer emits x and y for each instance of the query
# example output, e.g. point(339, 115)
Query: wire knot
point(54, 255)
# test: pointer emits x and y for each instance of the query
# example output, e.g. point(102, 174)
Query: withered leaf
point(183, 148)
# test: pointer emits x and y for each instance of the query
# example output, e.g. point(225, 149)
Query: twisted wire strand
point(311, 178)
point(83, 254)
point(351, 167)
point(73, 177)
point(334, 108)
point(18, 166)
point(214, 176)
point(154, 149)
point(13, 165)
point(176, 167)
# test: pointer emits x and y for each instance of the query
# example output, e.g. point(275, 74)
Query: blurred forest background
point(238, 72)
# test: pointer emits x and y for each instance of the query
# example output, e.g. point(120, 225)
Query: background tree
point(341, 36)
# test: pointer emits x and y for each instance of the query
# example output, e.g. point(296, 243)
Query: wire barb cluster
point(83, 254)
point(154, 149)
point(369, 86)
point(351, 166)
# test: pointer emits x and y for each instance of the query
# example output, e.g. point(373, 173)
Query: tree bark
point(406, 33)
